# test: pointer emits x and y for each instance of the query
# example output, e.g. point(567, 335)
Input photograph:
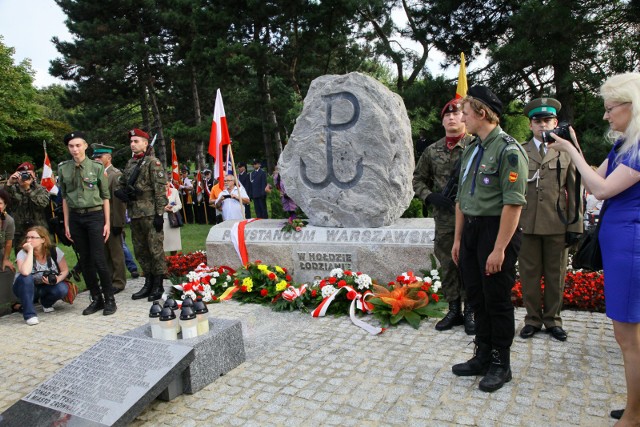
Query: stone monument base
point(382, 252)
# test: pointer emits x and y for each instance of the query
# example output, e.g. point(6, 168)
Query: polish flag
point(175, 171)
point(199, 186)
point(48, 181)
point(219, 137)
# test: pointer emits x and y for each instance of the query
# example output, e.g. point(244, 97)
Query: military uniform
point(84, 187)
point(149, 202)
point(544, 251)
point(28, 209)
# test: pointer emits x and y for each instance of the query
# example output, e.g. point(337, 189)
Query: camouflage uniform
point(150, 201)
point(431, 175)
point(27, 209)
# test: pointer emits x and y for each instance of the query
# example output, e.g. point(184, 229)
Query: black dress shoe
point(617, 413)
point(135, 274)
point(528, 331)
point(117, 290)
point(558, 333)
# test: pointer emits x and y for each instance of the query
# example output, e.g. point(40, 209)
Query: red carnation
point(214, 298)
point(421, 295)
point(288, 278)
point(322, 284)
point(284, 269)
point(332, 280)
point(348, 272)
point(314, 293)
point(263, 292)
point(258, 261)
point(236, 282)
point(342, 283)
point(272, 276)
point(351, 295)
point(435, 297)
point(243, 288)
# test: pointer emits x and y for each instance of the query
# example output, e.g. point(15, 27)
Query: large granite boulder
point(349, 161)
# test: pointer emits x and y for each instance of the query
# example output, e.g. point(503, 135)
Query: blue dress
point(620, 243)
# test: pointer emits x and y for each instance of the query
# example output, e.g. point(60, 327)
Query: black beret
point(484, 95)
point(75, 134)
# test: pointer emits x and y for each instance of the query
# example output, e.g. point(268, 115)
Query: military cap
point(256, 162)
point(452, 106)
point(138, 132)
point(100, 149)
point(206, 171)
point(242, 165)
point(184, 169)
point(542, 107)
point(73, 135)
point(484, 95)
point(26, 166)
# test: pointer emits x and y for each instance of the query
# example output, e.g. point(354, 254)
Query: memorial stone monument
point(349, 166)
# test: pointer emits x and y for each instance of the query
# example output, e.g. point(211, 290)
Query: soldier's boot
point(97, 302)
point(453, 317)
point(109, 302)
point(157, 288)
point(146, 288)
point(469, 319)
point(499, 371)
point(478, 364)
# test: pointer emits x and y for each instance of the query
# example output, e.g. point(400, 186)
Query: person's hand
point(116, 231)
point(158, 223)
point(440, 201)
point(15, 177)
point(27, 247)
point(106, 231)
point(455, 252)
point(168, 208)
point(7, 264)
point(267, 189)
point(67, 233)
point(494, 262)
point(122, 195)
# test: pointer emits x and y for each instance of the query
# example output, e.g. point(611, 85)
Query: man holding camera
point(551, 187)
point(85, 202)
point(29, 201)
point(437, 171)
point(231, 199)
point(142, 187)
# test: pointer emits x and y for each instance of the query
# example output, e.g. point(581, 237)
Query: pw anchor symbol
point(335, 127)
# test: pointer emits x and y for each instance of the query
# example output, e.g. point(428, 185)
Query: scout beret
point(138, 132)
point(26, 166)
point(73, 135)
point(100, 149)
point(452, 106)
point(542, 107)
point(484, 95)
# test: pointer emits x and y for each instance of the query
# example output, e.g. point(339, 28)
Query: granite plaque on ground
point(107, 385)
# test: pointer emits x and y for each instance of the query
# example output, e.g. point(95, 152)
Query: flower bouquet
point(206, 282)
point(336, 292)
point(260, 283)
point(179, 265)
point(410, 298)
point(293, 224)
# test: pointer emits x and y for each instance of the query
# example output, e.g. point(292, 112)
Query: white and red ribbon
point(238, 239)
point(359, 301)
point(293, 293)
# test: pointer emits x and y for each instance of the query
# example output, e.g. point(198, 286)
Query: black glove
point(116, 231)
point(158, 222)
point(571, 238)
point(440, 201)
point(122, 195)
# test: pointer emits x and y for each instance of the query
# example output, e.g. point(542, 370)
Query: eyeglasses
point(608, 110)
point(32, 237)
point(229, 180)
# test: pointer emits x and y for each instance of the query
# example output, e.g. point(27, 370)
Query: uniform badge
point(486, 180)
point(513, 176)
point(160, 174)
point(513, 159)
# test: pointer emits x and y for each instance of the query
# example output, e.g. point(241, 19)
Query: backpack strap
point(53, 256)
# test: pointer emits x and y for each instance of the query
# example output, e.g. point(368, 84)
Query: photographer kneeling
point(38, 272)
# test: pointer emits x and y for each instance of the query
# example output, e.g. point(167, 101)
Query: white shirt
point(231, 208)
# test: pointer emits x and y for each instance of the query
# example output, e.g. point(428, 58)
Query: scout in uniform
point(438, 168)
point(552, 181)
point(491, 193)
point(113, 247)
point(146, 199)
point(87, 221)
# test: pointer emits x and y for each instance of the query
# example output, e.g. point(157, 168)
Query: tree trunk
point(159, 147)
point(564, 90)
point(272, 123)
point(200, 155)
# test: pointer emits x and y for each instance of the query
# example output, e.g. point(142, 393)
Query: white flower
point(216, 274)
point(328, 290)
point(206, 288)
point(206, 298)
point(428, 280)
point(190, 294)
point(436, 286)
point(212, 281)
point(363, 281)
point(228, 278)
point(316, 283)
point(434, 273)
point(336, 272)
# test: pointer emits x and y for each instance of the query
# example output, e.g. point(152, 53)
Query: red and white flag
point(199, 186)
point(48, 181)
point(219, 137)
point(175, 171)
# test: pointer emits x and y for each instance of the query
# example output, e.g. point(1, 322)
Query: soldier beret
point(138, 132)
point(26, 166)
point(484, 95)
point(73, 135)
point(542, 107)
point(100, 149)
point(450, 107)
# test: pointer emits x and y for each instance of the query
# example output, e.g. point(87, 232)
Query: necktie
point(541, 149)
point(475, 172)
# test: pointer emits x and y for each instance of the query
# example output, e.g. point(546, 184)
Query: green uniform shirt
point(501, 178)
point(84, 185)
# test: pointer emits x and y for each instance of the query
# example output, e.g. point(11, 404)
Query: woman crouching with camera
point(39, 274)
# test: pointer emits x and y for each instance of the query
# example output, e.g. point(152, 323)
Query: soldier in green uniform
point(85, 203)
point(146, 199)
point(113, 247)
point(552, 182)
point(437, 171)
point(491, 193)
point(28, 202)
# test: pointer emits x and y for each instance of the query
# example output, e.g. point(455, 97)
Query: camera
point(51, 277)
point(562, 131)
point(24, 176)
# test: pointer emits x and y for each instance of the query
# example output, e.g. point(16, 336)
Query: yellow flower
point(279, 269)
point(248, 283)
point(262, 267)
point(281, 285)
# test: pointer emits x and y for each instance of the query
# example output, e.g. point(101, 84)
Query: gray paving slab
point(306, 371)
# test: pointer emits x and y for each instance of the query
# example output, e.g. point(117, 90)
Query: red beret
point(138, 132)
point(26, 166)
point(450, 107)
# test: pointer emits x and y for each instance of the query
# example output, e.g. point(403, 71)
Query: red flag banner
point(175, 171)
point(219, 137)
point(199, 186)
point(48, 181)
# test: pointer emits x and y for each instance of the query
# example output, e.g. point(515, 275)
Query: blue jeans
point(128, 258)
point(25, 290)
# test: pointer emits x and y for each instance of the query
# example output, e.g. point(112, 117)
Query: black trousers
point(260, 204)
point(489, 296)
point(86, 231)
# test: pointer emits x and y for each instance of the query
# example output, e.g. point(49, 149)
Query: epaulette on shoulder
point(63, 163)
point(508, 138)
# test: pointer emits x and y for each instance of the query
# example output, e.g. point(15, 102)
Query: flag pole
point(235, 177)
point(53, 214)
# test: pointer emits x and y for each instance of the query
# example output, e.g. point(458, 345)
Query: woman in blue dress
point(617, 181)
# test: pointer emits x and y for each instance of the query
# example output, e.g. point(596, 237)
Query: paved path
point(305, 371)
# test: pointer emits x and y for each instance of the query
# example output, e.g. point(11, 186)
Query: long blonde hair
point(626, 88)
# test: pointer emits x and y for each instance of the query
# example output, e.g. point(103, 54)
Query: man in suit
point(258, 182)
point(545, 233)
point(113, 246)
